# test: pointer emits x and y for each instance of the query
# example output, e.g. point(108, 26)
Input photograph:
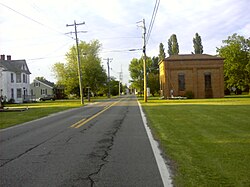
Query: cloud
point(113, 22)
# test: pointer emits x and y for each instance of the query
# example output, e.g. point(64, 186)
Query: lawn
point(35, 110)
point(207, 141)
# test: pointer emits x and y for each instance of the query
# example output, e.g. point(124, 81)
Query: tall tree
point(162, 54)
point(153, 76)
point(136, 73)
point(198, 48)
point(93, 74)
point(173, 46)
point(236, 52)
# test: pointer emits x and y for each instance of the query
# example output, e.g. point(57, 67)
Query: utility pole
point(144, 61)
point(78, 60)
point(120, 81)
point(108, 60)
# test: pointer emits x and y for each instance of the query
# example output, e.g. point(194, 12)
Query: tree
point(153, 76)
point(162, 54)
point(41, 78)
point(136, 73)
point(236, 52)
point(173, 46)
point(93, 74)
point(198, 48)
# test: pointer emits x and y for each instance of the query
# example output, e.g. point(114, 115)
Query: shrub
point(189, 94)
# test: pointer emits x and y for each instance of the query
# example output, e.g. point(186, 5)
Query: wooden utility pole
point(144, 62)
point(78, 60)
point(108, 60)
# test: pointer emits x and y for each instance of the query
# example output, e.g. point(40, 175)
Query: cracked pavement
point(110, 150)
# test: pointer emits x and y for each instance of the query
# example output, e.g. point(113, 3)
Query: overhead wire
point(35, 21)
point(157, 2)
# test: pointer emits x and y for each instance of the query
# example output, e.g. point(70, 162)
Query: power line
point(31, 19)
point(121, 50)
point(157, 2)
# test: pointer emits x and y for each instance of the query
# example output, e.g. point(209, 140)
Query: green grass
point(38, 110)
point(35, 111)
point(207, 141)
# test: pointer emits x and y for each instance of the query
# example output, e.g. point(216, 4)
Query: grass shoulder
point(208, 140)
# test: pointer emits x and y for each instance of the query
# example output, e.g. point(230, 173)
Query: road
point(103, 144)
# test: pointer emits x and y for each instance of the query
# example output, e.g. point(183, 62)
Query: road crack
point(103, 148)
point(30, 149)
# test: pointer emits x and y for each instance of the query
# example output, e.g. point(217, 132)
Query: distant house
point(198, 74)
point(14, 80)
point(41, 88)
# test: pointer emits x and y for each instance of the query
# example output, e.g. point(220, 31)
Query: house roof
point(192, 57)
point(48, 83)
point(15, 66)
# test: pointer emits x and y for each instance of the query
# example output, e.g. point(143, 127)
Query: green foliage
point(162, 54)
point(198, 48)
point(136, 73)
point(93, 74)
point(41, 78)
point(114, 86)
point(189, 94)
point(236, 52)
point(173, 46)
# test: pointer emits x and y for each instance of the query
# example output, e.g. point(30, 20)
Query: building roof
point(46, 82)
point(192, 57)
point(15, 66)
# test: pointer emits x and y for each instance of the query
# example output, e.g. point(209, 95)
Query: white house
point(14, 80)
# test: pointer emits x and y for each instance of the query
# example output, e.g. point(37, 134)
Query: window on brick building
point(181, 82)
point(208, 81)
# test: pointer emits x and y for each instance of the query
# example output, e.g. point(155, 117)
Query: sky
point(36, 30)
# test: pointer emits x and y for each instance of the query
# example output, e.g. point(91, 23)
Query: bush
point(189, 95)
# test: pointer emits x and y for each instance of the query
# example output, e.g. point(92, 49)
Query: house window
point(36, 84)
point(208, 81)
point(12, 93)
point(18, 77)
point(43, 91)
point(181, 82)
point(12, 77)
point(19, 93)
point(24, 78)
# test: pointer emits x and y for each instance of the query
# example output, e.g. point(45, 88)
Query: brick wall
point(194, 68)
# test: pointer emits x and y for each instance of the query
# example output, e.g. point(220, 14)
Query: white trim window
point(19, 93)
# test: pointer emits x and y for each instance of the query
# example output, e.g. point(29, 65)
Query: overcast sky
point(35, 30)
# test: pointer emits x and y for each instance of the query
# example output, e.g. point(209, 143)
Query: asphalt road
point(104, 144)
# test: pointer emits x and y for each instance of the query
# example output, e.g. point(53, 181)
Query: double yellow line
point(86, 120)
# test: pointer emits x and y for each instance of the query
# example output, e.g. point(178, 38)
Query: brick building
point(200, 74)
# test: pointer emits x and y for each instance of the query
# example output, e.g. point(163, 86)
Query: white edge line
point(164, 171)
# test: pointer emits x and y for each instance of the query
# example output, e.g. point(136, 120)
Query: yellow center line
point(77, 123)
point(84, 121)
